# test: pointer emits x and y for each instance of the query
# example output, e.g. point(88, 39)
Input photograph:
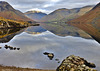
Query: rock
point(0, 47)
point(6, 46)
point(50, 55)
point(11, 48)
point(76, 63)
point(45, 53)
point(14, 48)
point(18, 48)
point(57, 59)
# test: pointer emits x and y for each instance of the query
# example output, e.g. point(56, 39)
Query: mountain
point(62, 15)
point(8, 12)
point(35, 15)
point(90, 22)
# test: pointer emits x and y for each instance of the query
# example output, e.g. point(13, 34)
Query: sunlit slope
point(8, 12)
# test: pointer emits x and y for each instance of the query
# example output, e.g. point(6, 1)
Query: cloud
point(37, 9)
point(49, 5)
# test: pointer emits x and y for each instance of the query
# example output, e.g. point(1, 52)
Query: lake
point(34, 41)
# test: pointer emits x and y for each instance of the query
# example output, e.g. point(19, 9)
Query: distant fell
point(35, 15)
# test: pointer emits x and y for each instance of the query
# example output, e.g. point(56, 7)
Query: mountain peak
point(8, 12)
point(5, 6)
point(35, 15)
point(97, 6)
point(33, 11)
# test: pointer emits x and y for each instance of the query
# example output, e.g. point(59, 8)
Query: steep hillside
point(8, 12)
point(35, 15)
point(62, 15)
point(90, 22)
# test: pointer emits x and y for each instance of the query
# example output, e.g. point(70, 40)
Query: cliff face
point(90, 22)
point(8, 12)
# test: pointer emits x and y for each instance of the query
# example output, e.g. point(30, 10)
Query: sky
point(48, 6)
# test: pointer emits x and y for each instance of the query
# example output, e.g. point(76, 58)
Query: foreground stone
point(11, 48)
point(75, 63)
point(50, 55)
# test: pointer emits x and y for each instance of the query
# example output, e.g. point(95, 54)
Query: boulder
point(76, 63)
point(50, 55)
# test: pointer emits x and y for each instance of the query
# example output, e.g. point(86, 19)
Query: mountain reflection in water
point(7, 34)
point(32, 46)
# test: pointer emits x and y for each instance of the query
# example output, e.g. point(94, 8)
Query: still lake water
point(34, 41)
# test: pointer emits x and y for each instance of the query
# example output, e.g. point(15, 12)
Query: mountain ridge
point(69, 14)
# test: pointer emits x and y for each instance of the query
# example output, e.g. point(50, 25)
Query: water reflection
point(7, 34)
point(35, 29)
point(34, 45)
point(63, 29)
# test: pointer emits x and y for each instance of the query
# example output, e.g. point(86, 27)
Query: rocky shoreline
point(76, 63)
point(71, 63)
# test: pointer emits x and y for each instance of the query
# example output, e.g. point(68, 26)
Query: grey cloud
point(49, 5)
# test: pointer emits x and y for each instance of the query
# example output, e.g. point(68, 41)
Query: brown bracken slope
point(8, 12)
point(90, 22)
